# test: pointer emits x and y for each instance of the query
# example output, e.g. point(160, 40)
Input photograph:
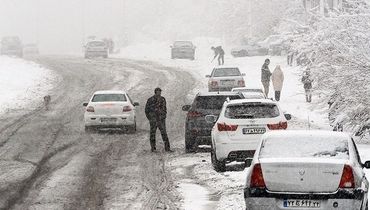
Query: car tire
point(132, 128)
point(219, 166)
point(189, 143)
point(89, 129)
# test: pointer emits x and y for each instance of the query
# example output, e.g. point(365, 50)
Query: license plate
point(227, 83)
point(254, 130)
point(108, 120)
point(301, 203)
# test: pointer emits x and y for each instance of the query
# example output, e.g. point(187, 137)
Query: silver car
point(306, 170)
point(96, 48)
point(225, 79)
point(250, 93)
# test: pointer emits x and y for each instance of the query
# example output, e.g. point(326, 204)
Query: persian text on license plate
point(108, 120)
point(301, 203)
point(254, 130)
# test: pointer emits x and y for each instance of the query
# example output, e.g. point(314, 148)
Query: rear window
point(251, 111)
point(305, 147)
point(212, 102)
point(226, 72)
point(183, 44)
point(108, 97)
point(96, 44)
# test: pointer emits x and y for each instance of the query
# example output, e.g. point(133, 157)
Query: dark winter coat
point(156, 109)
point(265, 73)
point(307, 82)
point(219, 51)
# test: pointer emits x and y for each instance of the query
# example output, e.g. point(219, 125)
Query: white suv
point(110, 109)
point(237, 131)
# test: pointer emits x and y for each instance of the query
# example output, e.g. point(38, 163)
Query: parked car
point(250, 93)
point(307, 170)
point(225, 78)
point(30, 49)
point(96, 48)
point(276, 43)
point(249, 50)
point(239, 127)
point(197, 130)
point(183, 50)
point(11, 45)
point(110, 109)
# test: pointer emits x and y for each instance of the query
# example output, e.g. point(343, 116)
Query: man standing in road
point(156, 112)
point(220, 53)
point(265, 76)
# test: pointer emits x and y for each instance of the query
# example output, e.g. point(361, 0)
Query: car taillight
point(257, 180)
point(241, 83)
point(347, 180)
point(225, 127)
point(278, 126)
point(90, 109)
point(126, 109)
point(213, 83)
point(193, 114)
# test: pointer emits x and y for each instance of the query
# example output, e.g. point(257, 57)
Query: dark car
point(197, 130)
point(183, 50)
point(249, 50)
point(11, 45)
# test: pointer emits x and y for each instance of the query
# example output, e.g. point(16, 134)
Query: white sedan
point(239, 127)
point(306, 170)
point(110, 109)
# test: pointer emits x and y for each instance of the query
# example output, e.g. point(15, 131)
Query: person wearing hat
point(156, 112)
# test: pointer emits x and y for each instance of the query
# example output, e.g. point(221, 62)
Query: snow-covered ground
point(23, 84)
point(228, 186)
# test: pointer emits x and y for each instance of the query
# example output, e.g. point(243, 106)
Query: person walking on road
point(265, 76)
point(156, 112)
point(220, 53)
point(307, 85)
point(277, 81)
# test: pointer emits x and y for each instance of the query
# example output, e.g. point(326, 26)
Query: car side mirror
point(136, 104)
point(288, 116)
point(210, 118)
point(243, 74)
point(208, 76)
point(186, 108)
point(85, 104)
point(366, 165)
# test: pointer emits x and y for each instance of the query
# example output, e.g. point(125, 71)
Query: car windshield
point(251, 111)
point(96, 44)
point(253, 95)
point(108, 97)
point(183, 44)
point(247, 90)
point(305, 147)
point(226, 72)
point(212, 102)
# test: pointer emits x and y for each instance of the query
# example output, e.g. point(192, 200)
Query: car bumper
point(222, 88)
point(258, 199)
point(96, 53)
point(231, 150)
point(104, 121)
point(183, 55)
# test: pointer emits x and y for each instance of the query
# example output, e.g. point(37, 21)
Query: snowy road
point(48, 162)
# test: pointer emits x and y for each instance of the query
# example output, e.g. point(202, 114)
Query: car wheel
point(189, 143)
point(88, 129)
point(219, 166)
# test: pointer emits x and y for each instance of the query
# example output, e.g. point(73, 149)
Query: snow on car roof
point(222, 93)
point(110, 92)
point(305, 144)
point(256, 100)
point(226, 67)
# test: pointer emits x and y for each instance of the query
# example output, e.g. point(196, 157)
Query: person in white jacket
point(277, 81)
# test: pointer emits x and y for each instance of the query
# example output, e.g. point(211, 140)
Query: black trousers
point(161, 125)
point(277, 95)
point(221, 59)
